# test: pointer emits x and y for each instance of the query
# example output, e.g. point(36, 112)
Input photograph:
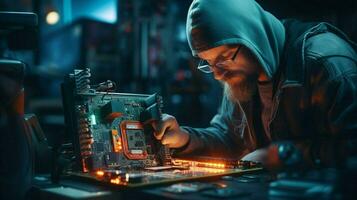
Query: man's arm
point(337, 116)
point(223, 138)
point(334, 113)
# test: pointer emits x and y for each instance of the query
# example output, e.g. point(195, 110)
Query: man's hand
point(169, 132)
point(269, 157)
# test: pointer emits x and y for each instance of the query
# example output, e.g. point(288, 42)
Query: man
point(290, 87)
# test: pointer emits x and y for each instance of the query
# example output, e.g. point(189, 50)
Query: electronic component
point(134, 140)
point(216, 163)
point(111, 130)
point(150, 176)
point(114, 142)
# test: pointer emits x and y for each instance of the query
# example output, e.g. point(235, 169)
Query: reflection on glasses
point(207, 68)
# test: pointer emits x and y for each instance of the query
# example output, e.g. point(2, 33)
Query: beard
point(242, 90)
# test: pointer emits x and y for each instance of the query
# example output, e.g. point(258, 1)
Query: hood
point(212, 23)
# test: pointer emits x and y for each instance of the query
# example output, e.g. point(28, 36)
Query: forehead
point(213, 53)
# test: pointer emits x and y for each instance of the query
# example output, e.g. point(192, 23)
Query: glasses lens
point(204, 67)
point(224, 65)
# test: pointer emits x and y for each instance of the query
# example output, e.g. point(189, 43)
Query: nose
point(218, 74)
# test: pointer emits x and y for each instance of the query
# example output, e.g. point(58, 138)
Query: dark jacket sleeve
point(334, 105)
point(223, 138)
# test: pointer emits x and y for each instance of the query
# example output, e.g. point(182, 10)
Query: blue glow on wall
point(103, 10)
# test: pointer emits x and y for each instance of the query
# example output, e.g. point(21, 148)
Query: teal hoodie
point(315, 104)
point(212, 23)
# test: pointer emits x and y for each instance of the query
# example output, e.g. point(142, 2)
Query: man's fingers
point(168, 138)
point(159, 130)
point(155, 126)
point(167, 123)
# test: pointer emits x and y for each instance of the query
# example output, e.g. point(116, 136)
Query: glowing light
point(221, 185)
point(199, 164)
point(115, 181)
point(105, 11)
point(52, 18)
point(100, 173)
point(93, 120)
point(117, 145)
point(84, 166)
point(127, 177)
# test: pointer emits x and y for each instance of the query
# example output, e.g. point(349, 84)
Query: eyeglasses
point(207, 68)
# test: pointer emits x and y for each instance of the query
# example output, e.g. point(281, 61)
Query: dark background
point(141, 45)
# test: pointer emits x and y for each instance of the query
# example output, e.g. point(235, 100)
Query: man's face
point(239, 76)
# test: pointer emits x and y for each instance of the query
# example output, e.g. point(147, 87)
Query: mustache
point(231, 74)
point(239, 73)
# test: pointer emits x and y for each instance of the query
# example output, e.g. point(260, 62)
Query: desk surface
point(322, 184)
point(250, 186)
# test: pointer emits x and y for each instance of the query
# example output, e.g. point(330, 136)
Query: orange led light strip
point(198, 163)
point(115, 181)
point(99, 173)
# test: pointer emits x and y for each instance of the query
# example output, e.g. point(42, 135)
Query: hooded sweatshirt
point(315, 96)
point(212, 23)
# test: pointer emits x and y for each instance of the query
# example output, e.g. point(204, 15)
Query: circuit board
point(111, 130)
point(189, 169)
point(114, 142)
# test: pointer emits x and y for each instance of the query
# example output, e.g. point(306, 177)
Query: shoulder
point(330, 53)
point(329, 44)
